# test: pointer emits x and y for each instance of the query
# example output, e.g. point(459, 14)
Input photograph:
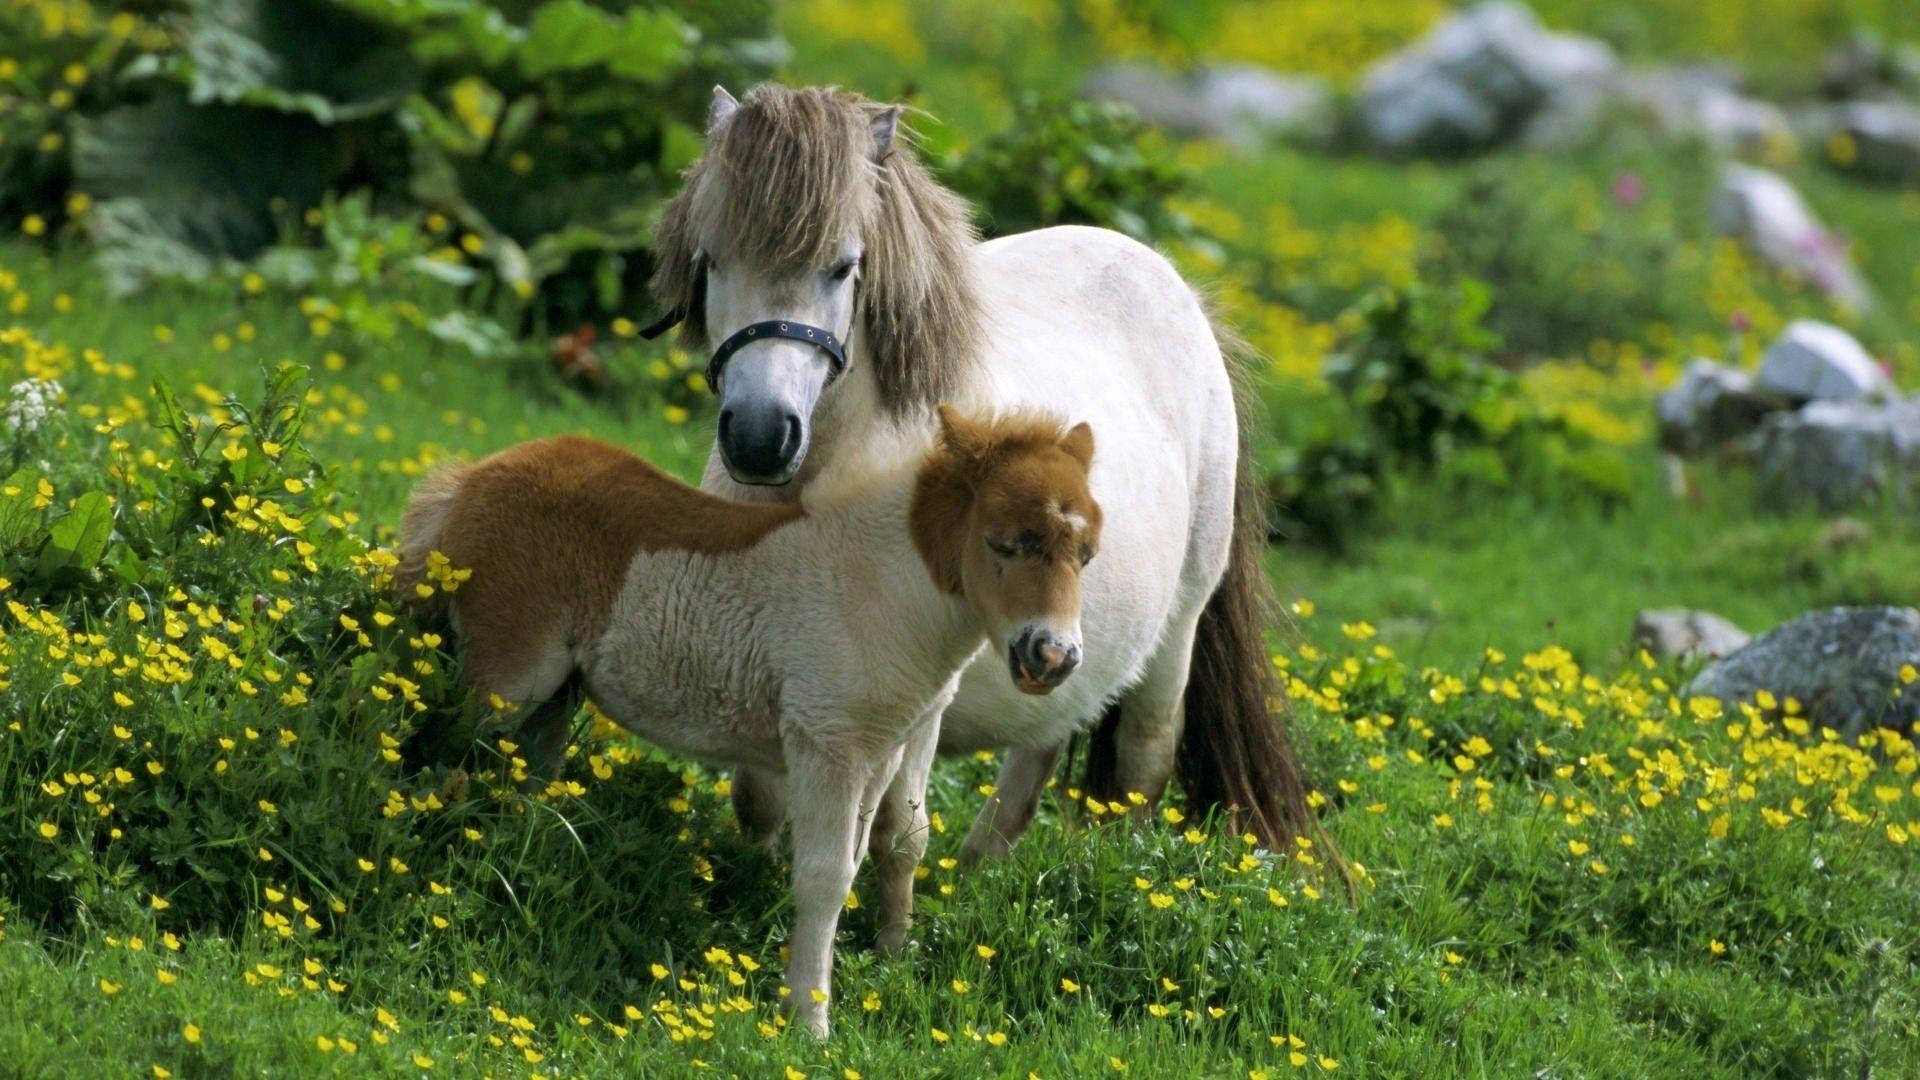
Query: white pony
point(808, 214)
point(818, 641)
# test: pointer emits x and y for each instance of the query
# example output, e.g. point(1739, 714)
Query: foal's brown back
point(548, 529)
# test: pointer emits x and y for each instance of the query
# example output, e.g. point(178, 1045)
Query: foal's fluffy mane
point(997, 437)
point(784, 180)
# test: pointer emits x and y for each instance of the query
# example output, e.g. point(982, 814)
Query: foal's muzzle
point(1040, 661)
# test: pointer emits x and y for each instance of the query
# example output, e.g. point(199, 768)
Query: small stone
point(1768, 215)
point(1684, 635)
point(1240, 103)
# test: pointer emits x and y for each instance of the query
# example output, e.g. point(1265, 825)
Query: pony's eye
point(1002, 548)
point(845, 269)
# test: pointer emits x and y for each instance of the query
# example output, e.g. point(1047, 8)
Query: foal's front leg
point(826, 789)
point(900, 834)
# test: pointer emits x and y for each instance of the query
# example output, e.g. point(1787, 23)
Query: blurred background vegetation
point(483, 177)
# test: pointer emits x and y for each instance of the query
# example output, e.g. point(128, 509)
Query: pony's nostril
point(790, 438)
point(726, 423)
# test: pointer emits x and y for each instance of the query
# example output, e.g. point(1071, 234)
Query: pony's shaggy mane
point(784, 181)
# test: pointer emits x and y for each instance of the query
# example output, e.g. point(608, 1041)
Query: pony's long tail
point(1235, 756)
point(421, 528)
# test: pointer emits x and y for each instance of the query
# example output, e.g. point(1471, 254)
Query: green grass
point(1569, 874)
point(566, 904)
point(1450, 573)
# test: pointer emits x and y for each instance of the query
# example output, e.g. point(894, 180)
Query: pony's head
point(1003, 518)
point(807, 209)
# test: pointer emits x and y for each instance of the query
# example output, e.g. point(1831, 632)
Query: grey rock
point(1865, 64)
point(1240, 103)
point(1473, 80)
point(1841, 664)
point(1684, 635)
point(1768, 215)
point(1711, 405)
point(1816, 361)
point(1694, 100)
point(1835, 454)
point(1885, 137)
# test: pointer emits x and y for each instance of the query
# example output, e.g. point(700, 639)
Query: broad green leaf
point(652, 45)
point(78, 539)
point(567, 35)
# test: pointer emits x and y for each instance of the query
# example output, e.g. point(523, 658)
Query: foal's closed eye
point(842, 271)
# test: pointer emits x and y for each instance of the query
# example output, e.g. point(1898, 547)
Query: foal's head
point(1003, 518)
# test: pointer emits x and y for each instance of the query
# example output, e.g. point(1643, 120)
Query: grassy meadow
point(226, 850)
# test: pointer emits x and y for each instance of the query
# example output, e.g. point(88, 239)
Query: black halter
point(824, 340)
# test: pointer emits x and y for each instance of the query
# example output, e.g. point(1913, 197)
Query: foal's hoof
point(892, 941)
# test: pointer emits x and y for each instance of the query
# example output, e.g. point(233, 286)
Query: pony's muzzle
point(1039, 660)
point(767, 395)
point(760, 446)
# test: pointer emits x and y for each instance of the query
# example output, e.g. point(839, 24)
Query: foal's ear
point(722, 106)
point(1078, 443)
point(885, 125)
point(960, 436)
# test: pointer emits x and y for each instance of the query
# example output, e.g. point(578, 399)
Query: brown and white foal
point(810, 639)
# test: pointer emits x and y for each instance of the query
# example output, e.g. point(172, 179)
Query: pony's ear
point(722, 106)
point(885, 126)
point(960, 436)
point(1078, 443)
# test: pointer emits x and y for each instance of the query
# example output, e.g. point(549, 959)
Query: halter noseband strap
point(824, 340)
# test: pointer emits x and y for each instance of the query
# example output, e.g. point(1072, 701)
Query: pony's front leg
point(825, 795)
point(1010, 809)
point(900, 834)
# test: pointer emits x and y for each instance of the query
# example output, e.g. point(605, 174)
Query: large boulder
point(1474, 80)
point(1841, 664)
point(1680, 634)
point(1768, 215)
point(1816, 361)
point(1240, 103)
point(1834, 454)
point(1710, 406)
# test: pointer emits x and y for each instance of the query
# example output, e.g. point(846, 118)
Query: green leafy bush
point(56, 66)
point(213, 570)
point(1064, 161)
point(1421, 399)
point(547, 131)
point(1568, 263)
